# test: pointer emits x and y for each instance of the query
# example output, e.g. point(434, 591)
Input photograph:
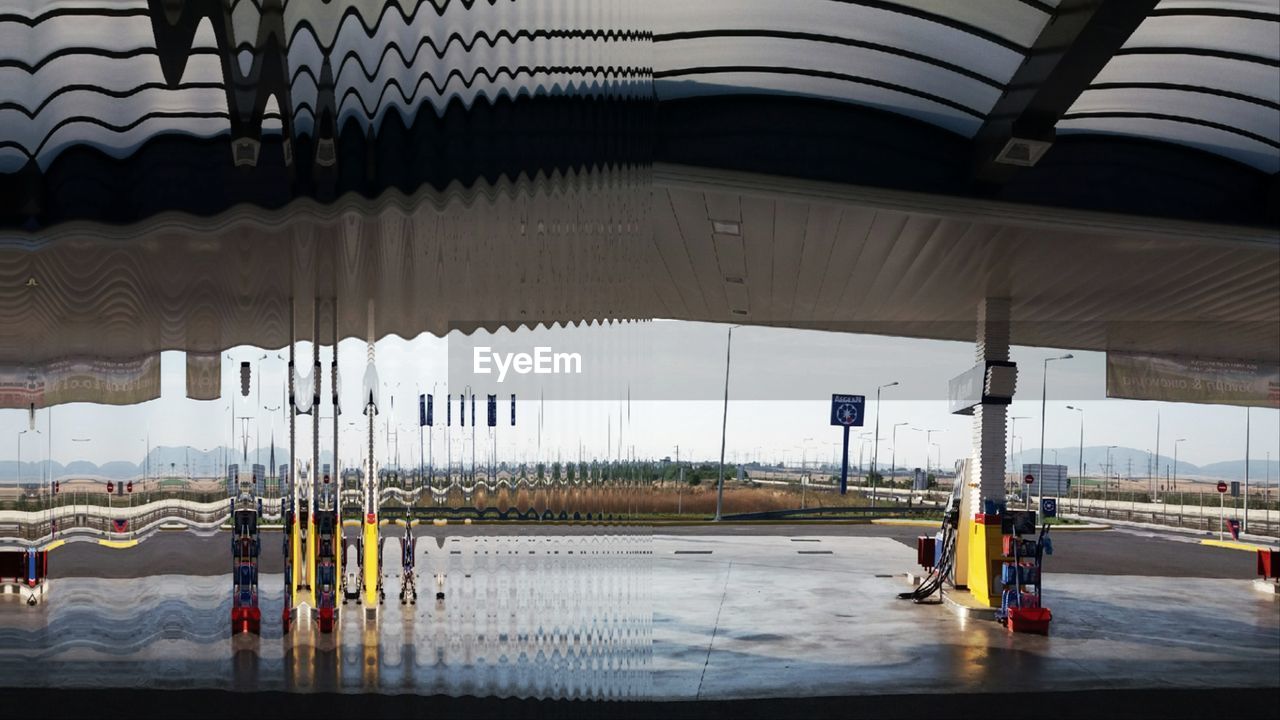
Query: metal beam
point(1080, 38)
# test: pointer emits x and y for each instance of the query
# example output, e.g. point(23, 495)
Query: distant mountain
point(161, 461)
point(1234, 470)
point(1126, 461)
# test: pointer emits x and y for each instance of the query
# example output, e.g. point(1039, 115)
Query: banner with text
point(108, 382)
point(1137, 376)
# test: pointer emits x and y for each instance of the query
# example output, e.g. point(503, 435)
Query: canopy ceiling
point(171, 173)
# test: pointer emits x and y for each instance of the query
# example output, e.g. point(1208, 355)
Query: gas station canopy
point(174, 172)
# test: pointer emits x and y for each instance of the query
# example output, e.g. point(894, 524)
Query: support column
point(990, 422)
point(372, 576)
point(981, 525)
point(293, 578)
point(338, 549)
point(313, 477)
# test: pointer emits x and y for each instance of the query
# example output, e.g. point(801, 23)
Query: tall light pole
point(1245, 526)
point(1013, 433)
point(1044, 389)
point(257, 426)
point(20, 434)
point(926, 450)
point(928, 442)
point(431, 442)
point(893, 453)
point(724, 421)
point(1175, 461)
point(862, 446)
point(1080, 468)
point(804, 454)
point(875, 448)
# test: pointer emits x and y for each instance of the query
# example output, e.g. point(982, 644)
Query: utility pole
point(244, 433)
point(875, 448)
point(1044, 388)
point(724, 422)
point(1245, 526)
point(1013, 434)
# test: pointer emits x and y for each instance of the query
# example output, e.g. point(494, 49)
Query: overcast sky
point(804, 366)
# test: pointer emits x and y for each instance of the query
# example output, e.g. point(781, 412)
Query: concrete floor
point(756, 618)
point(1114, 552)
point(732, 616)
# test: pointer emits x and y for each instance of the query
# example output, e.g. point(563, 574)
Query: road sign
point(1235, 488)
point(1222, 487)
point(1050, 480)
point(1048, 507)
point(847, 410)
point(1029, 479)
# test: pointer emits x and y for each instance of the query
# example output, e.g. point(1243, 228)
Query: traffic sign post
point(1048, 508)
point(1222, 508)
point(1029, 480)
point(846, 412)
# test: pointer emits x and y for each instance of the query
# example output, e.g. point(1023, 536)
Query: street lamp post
point(20, 434)
point(928, 442)
point(431, 443)
point(862, 447)
point(1245, 526)
point(893, 452)
point(875, 448)
point(1106, 480)
point(1044, 389)
point(1013, 433)
point(724, 421)
point(1080, 468)
point(1175, 462)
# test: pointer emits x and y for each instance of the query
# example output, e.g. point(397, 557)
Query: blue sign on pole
point(847, 410)
point(422, 410)
point(1048, 507)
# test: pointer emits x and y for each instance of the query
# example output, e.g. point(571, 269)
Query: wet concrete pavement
point(1112, 552)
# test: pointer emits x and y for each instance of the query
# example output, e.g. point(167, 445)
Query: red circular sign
point(1029, 479)
point(371, 518)
point(1222, 487)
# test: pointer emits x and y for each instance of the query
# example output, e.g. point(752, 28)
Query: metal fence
point(1199, 511)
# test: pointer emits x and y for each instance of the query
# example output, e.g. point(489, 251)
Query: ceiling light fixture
point(726, 227)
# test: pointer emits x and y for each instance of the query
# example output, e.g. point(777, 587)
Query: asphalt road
point(1113, 552)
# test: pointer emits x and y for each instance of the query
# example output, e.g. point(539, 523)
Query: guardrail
point(895, 511)
point(1196, 516)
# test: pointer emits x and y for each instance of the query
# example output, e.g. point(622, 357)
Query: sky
point(780, 383)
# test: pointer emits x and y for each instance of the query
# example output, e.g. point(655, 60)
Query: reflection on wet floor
point(544, 617)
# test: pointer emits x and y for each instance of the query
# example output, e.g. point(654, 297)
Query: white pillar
point(990, 421)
